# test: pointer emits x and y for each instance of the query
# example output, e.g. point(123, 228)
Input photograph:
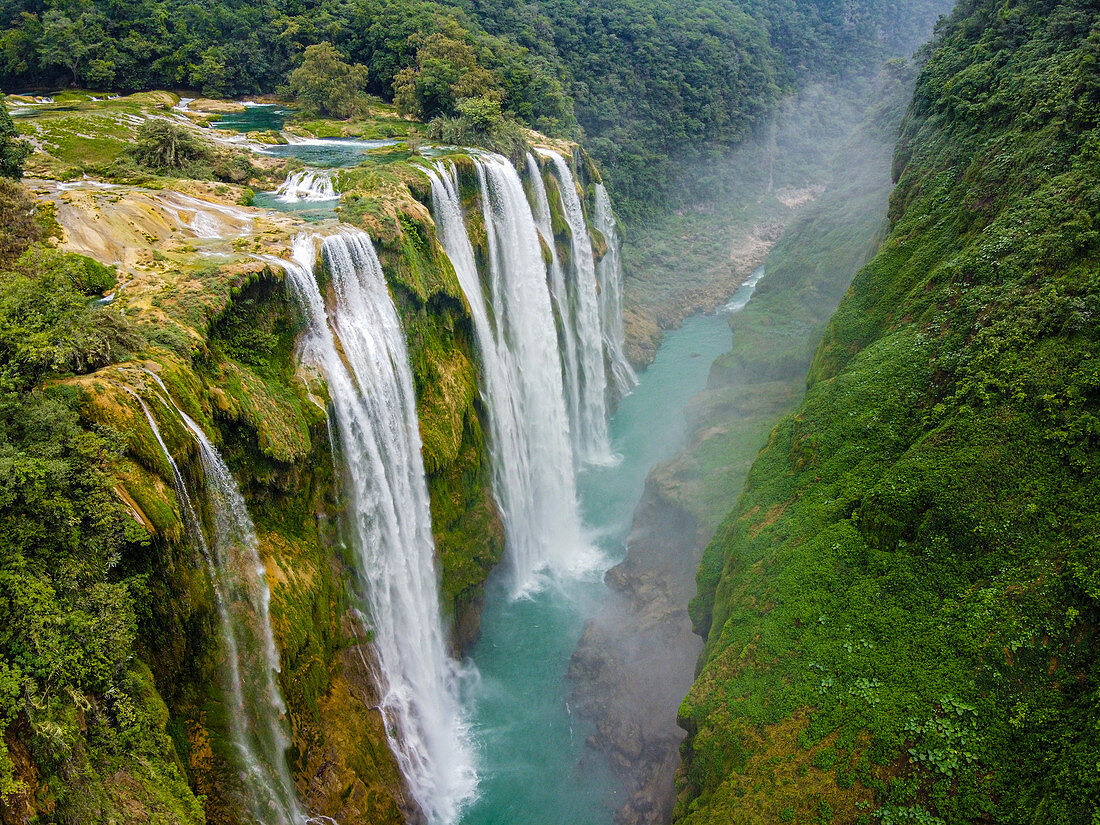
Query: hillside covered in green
point(664, 91)
point(904, 625)
point(660, 90)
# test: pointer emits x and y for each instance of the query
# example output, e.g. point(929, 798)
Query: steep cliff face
point(900, 612)
point(210, 327)
point(240, 385)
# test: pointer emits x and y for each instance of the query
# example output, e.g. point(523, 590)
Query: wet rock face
point(352, 776)
point(636, 659)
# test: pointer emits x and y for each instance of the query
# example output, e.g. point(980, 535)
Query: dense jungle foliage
point(73, 697)
point(904, 626)
point(238, 48)
point(656, 86)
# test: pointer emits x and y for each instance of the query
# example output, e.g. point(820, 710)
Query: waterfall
point(360, 348)
point(567, 329)
point(591, 434)
point(521, 371)
point(610, 274)
point(308, 185)
point(256, 711)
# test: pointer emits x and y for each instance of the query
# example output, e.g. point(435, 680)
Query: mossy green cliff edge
point(214, 320)
point(900, 612)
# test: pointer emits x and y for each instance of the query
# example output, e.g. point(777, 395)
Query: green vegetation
point(18, 227)
point(762, 192)
point(73, 699)
point(121, 139)
point(901, 611)
point(162, 146)
point(662, 91)
point(241, 48)
point(13, 151)
point(327, 86)
point(110, 688)
point(807, 272)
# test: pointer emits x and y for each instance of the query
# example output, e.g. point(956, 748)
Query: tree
point(483, 113)
point(47, 325)
point(446, 72)
point(18, 229)
point(13, 151)
point(326, 85)
point(66, 42)
point(163, 146)
point(211, 75)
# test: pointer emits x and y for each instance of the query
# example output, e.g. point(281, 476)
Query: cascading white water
point(360, 349)
point(591, 436)
point(256, 711)
point(741, 297)
point(521, 372)
point(610, 274)
point(308, 185)
point(567, 329)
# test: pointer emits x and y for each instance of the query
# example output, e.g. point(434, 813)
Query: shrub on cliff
point(162, 146)
point(18, 228)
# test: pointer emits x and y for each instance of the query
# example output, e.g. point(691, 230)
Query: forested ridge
point(655, 86)
point(662, 90)
point(901, 618)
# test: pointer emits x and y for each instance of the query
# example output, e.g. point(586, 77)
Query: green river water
point(534, 765)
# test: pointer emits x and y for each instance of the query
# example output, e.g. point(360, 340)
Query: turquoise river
point(534, 765)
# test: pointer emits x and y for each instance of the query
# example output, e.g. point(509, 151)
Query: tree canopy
point(13, 150)
point(326, 85)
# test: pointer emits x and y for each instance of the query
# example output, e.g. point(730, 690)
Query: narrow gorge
point(439, 413)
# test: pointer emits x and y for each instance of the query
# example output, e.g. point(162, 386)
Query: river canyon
point(392, 450)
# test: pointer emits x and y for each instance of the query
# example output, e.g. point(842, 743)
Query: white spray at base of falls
point(360, 349)
point(610, 274)
point(309, 185)
point(256, 711)
point(590, 438)
point(521, 369)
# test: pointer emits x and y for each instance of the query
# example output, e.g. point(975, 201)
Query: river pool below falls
point(534, 765)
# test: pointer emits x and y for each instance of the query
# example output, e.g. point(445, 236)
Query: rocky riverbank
point(630, 685)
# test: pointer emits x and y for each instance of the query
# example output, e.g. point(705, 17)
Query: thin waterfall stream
point(610, 273)
point(567, 327)
point(256, 713)
point(591, 427)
